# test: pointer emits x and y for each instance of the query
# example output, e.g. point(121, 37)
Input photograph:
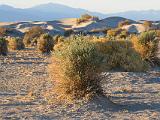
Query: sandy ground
point(24, 78)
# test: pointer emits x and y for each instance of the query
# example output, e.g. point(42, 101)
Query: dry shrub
point(45, 43)
point(3, 31)
point(3, 47)
point(15, 43)
point(32, 35)
point(58, 39)
point(147, 24)
point(123, 35)
point(68, 32)
point(114, 32)
point(120, 55)
point(74, 70)
point(85, 18)
point(122, 23)
point(147, 45)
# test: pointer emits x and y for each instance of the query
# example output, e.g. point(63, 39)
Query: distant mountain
point(51, 11)
point(140, 15)
point(45, 12)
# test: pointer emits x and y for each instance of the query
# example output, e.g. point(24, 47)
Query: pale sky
point(103, 6)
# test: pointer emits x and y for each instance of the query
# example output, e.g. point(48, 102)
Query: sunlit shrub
point(122, 23)
point(113, 32)
point(120, 55)
point(74, 69)
point(147, 24)
point(85, 18)
point(15, 43)
point(45, 43)
point(32, 35)
point(146, 44)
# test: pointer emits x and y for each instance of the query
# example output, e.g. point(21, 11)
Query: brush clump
point(15, 43)
point(3, 47)
point(74, 69)
point(147, 45)
point(31, 36)
point(45, 43)
point(120, 55)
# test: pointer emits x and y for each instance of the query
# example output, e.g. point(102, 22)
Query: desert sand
point(24, 80)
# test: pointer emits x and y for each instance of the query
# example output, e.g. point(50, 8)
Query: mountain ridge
point(54, 11)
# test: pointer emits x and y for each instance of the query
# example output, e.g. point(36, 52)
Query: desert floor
point(24, 80)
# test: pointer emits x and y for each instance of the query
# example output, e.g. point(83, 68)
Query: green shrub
point(120, 55)
point(32, 35)
point(15, 43)
point(45, 43)
point(3, 47)
point(74, 69)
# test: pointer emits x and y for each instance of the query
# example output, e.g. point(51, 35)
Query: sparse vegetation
point(45, 43)
point(120, 55)
point(3, 31)
point(121, 24)
point(146, 44)
point(15, 43)
point(118, 32)
point(87, 71)
point(147, 24)
point(113, 32)
point(74, 69)
point(85, 18)
point(69, 32)
point(32, 35)
point(3, 47)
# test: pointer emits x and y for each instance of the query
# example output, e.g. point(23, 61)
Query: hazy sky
point(104, 6)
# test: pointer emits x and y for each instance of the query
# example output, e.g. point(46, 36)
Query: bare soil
point(24, 79)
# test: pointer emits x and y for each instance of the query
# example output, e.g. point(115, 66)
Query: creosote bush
point(3, 47)
point(74, 69)
point(15, 43)
point(147, 24)
point(114, 32)
point(45, 43)
point(122, 23)
point(120, 55)
point(32, 35)
point(146, 44)
point(85, 18)
point(58, 39)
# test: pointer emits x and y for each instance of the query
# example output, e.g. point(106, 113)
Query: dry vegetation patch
point(120, 55)
point(74, 69)
point(15, 43)
point(45, 43)
point(3, 47)
point(147, 45)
